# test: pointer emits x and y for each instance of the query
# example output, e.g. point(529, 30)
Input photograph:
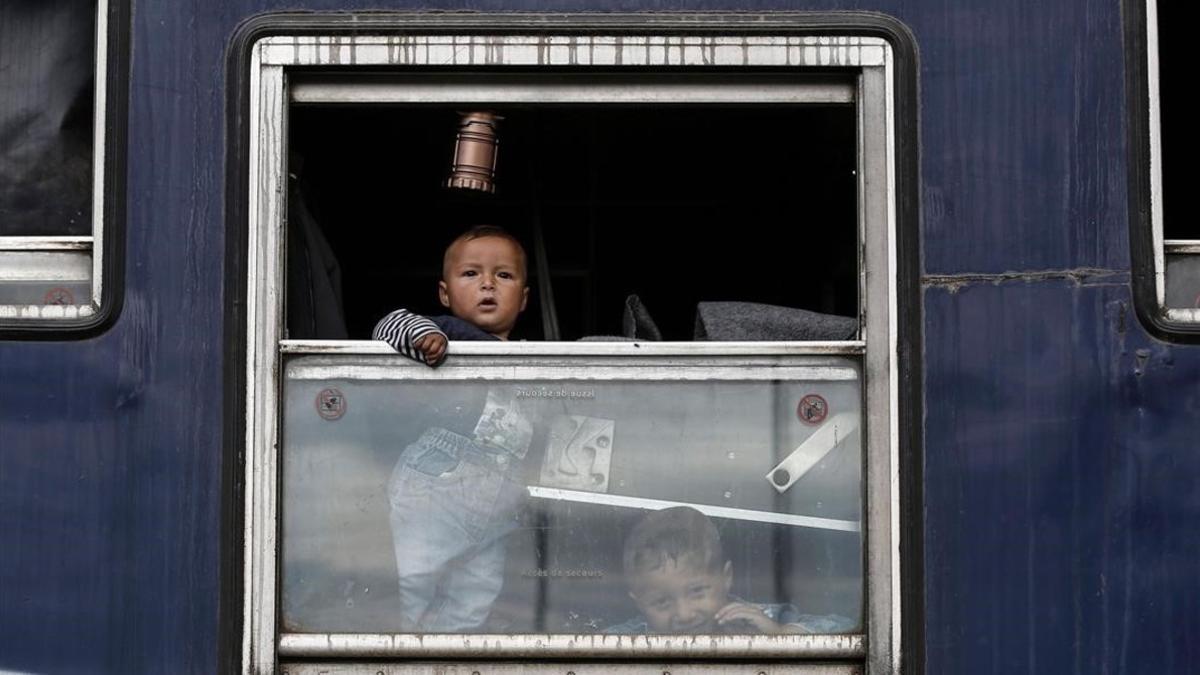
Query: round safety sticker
point(331, 404)
point(812, 409)
point(59, 296)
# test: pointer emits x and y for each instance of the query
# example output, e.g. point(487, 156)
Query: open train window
point(53, 102)
point(1167, 237)
point(577, 492)
point(676, 205)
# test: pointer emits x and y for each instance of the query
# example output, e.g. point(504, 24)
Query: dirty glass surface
point(45, 278)
point(47, 56)
point(493, 505)
point(1183, 281)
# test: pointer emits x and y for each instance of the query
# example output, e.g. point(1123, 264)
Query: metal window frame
point(870, 59)
point(58, 257)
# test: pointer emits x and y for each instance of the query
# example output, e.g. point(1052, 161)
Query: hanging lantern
point(475, 153)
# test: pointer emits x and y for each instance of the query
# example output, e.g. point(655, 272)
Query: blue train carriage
point(858, 339)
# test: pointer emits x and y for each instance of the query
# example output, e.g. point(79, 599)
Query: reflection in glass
point(517, 507)
point(47, 58)
point(1183, 281)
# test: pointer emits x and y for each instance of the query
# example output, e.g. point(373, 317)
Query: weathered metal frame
point(590, 646)
point(603, 668)
point(674, 89)
point(516, 365)
point(869, 60)
point(58, 257)
point(689, 350)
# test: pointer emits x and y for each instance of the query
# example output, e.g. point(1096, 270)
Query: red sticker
point(59, 296)
point(812, 409)
point(331, 404)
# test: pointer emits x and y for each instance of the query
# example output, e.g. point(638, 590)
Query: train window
point(652, 191)
point(773, 465)
point(1176, 235)
point(52, 102)
point(693, 432)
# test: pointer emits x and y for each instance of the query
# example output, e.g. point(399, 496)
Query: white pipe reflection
point(706, 509)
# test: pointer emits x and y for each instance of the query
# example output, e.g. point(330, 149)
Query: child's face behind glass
point(681, 597)
point(483, 282)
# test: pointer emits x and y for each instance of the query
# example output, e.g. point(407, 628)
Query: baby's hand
point(735, 615)
point(433, 346)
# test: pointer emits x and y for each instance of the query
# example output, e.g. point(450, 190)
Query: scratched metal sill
point(572, 667)
point(531, 349)
point(1182, 246)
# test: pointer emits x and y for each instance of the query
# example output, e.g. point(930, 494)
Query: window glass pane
point(47, 49)
point(45, 278)
point(654, 505)
point(1183, 281)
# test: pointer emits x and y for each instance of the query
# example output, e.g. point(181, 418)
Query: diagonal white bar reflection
point(706, 509)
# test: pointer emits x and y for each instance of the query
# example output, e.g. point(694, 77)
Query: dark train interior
point(677, 204)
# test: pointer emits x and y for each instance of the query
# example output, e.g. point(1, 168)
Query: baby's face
point(483, 282)
point(681, 597)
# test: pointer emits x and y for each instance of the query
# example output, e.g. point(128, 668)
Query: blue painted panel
point(1062, 467)
point(58, 530)
point(1023, 136)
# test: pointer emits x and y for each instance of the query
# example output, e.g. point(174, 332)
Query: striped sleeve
point(401, 329)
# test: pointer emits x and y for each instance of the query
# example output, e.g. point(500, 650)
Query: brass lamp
point(474, 165)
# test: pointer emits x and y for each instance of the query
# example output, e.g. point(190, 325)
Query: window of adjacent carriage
point(47, 52)
point(680, 205)
point(1178, 137)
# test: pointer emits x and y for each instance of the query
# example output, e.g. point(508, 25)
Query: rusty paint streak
point(1078, 276)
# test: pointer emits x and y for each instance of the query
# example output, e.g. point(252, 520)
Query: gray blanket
point(735, 321)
